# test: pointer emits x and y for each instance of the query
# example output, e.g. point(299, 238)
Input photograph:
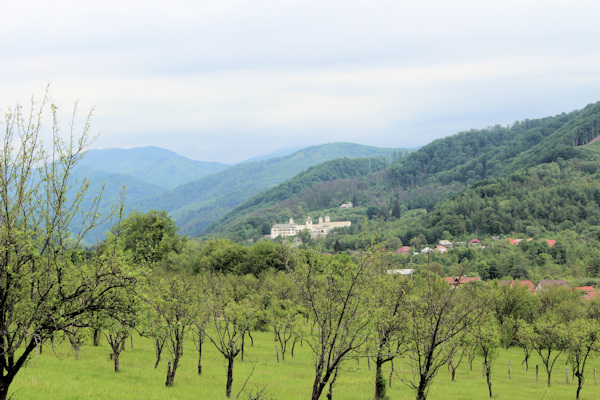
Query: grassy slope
point(91, 376)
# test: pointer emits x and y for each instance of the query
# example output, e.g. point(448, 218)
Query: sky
point(227, 80)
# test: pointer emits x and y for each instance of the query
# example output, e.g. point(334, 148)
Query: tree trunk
point(579, 385)
point(243, 336)
point(200, 340)
point(229, 375)
point(96, 338)
point(116, 360)
point(488, 375)
point(251, 338)
point(169, 381)
point(5, 382)
point(422, 389)
point(158, 347)
point(379, 380)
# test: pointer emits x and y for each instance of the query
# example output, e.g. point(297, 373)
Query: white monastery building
point(317, 230)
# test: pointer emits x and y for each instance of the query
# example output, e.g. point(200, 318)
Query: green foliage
point(150, 236)
point(196, 205)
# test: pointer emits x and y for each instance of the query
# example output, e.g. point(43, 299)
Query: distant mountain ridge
point(195, 205)
point(197, 193)
point(154, 165)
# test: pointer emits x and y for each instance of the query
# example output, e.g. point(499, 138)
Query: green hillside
point(255, 216)
point(429, 178)
point(195, 205)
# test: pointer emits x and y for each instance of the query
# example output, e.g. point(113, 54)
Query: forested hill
point(242, 223)
point(444, 168)
point(197, 204)
point(468, 157)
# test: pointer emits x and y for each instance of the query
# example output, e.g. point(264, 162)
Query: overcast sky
point(227, 80)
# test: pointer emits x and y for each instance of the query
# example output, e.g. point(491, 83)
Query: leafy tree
point(396, 211)
point(372, 211)
point(282, 312)
point(231, 312)
point(44, 277)
point(389, 322)
point(487, 342)
point(150, 236)
point(221, 255)
point(583, 342)
point(264, 256)
point(334, 293)
point(305, 236)
point(438, 317)
point(548, 338)
point(176, 309)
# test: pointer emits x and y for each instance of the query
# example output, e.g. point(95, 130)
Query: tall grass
point(59, 374)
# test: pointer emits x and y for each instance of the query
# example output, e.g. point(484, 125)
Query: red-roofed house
point(514, 241)
point(441, 249)
point(474, 242)
point(403, 250)
point(584, 288)
point(458, 280)
point(528, 284)
point(551, 242)
point(587, 292)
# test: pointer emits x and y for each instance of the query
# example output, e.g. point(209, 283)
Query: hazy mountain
point(197, 204)
point(154, 165)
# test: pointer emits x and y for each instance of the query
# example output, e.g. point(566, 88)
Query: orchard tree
point(116, 325)
point(333, 291)
point(47, 285)
point(282, 312)
point(389, 337)
point(231, 312)
point(438, 317)
point(487, 342)
point(583, 342)
point(176, 309)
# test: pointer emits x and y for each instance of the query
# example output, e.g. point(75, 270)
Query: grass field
point(60, 375)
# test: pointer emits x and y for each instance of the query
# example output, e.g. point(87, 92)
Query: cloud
point(222, 80)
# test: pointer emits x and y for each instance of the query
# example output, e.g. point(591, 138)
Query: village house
point(474, 242)
point(446, 243)
point(459, 280)
point(528, 284)
point(403, 250)
point(407, 271)
point(322, 228)
point(441, 249)
point(543, 285)
point(347, 205)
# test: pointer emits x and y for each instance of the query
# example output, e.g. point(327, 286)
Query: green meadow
point(59, 374)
